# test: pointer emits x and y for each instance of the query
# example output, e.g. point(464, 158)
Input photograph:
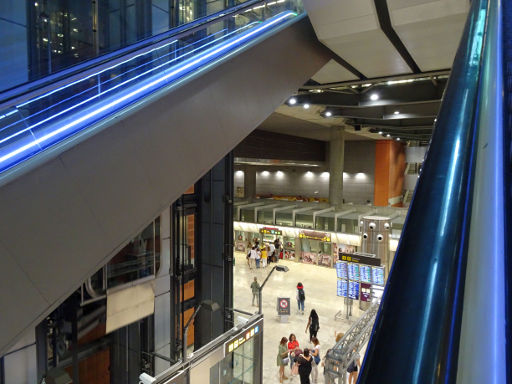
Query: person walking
point(313, 325)
point(315, 353)
point(353, 368)
point(258, 256)
point(301, 297)
point(255, 288)
point(252, 257)
point(304, 362)
point(264, 256)
point(282, 358)
point(271, 253)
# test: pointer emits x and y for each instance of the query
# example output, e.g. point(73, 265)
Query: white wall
point(20, 363)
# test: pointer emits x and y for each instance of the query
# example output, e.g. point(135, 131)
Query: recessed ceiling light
point(397, 139)
point(374, 97)
point(380, 132)
point(388, 135)
point(396, 112)
point(265, 173)
point(435, 119)
point(292, 101)
point(328, 114)
point(306, 106)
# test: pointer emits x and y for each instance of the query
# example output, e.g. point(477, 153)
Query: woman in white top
point(315, 352)
point(253, 257)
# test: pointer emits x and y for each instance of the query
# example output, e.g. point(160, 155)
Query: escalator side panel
point(64, 219)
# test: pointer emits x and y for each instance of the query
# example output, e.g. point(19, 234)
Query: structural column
point(336, 165)
point(389, 173)
point(250, 183)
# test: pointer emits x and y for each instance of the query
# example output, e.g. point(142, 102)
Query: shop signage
point(314, 235)
point(283, 306)
point(271, 231)
point(242, 337)
point(360, 258)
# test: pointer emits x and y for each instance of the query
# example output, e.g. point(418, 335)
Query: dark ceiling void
point(387, 27)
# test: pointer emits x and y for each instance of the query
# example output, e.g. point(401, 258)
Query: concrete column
point(250, 182)
point(162, 316)
point(336, 165)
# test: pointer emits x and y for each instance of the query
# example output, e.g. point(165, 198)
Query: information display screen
point(342, 288)
point(366, 274)
point(341, 270)
point(378, 275)
point(353, 290)
point(353, 271)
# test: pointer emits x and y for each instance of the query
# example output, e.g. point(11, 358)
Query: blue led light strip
point(65, 130)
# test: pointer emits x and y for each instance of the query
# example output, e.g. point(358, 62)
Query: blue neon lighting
point(59, 133)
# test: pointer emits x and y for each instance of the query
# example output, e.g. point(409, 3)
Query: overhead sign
point(271, 231)
point(314, 235)
point(360, 259)
point(283, 306)
point(242, 337)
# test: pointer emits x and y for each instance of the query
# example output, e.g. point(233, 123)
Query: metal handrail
point(416, 334)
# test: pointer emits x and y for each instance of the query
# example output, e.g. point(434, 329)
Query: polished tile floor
point(320, 288)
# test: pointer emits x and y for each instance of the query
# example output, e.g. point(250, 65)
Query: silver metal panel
point(66, 218)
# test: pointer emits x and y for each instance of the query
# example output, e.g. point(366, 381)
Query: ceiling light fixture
point(396, 112)
point(397, 139)
point(306, 106)
point(374, 97)
point(292, 101)
point(380, 132)
point(328, 114)
point(388, 135)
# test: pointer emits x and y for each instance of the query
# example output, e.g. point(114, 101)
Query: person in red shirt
point(293, 344)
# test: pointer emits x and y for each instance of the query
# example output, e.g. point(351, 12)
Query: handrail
point(416, 335)
point(55, 80)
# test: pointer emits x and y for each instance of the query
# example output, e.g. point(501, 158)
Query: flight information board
point(366, 274)
point(341, 270)
point(353, 290)
point(378, 275)
point(342, 288)
point(353, 271)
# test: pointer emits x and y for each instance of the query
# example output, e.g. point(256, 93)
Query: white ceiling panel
point(430, 30)
point(351, 29)
point(333, 72)
point(371, 53)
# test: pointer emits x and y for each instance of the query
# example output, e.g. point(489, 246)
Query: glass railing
point(50, 115)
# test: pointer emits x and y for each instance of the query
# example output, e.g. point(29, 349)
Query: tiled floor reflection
point(320, 288)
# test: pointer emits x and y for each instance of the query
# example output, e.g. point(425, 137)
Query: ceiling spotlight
point(374, 97)
point(380, 132)
point(292, 101)
point(328, 114)
point(388, 135)
point(306, 106)
point(435, 119)
point(396, 112)
point(397, 139)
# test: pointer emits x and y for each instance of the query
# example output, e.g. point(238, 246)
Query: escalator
point(445, 316)
point(89, 158)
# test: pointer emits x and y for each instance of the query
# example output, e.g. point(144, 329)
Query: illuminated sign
point(242, 337)
point(378, 275)
point(353, 271)
point(353, 290)
point(341, 270)
point(342, 288)
point(314, 235)
point(360, 259)
point(271, 231)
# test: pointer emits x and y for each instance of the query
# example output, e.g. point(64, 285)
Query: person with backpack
point(301, 297)
point(313, 325)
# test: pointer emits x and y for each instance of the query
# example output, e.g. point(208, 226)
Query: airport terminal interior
point(255, 191)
